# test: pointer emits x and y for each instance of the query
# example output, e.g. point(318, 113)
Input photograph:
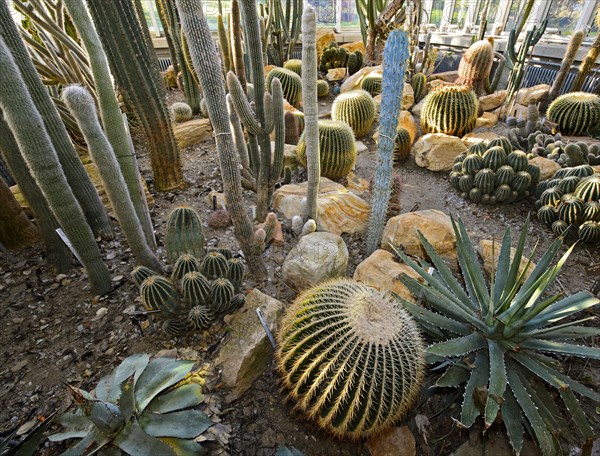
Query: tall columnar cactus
point(77, 178)
point(589, 60)
point(357, 109)
point(451, 110)
point(81, 104)
point(576, 113)
point(206, 62)
point(110, 112)
point(476, 64)
point(394, 65)
point(184, 234)
point(131, 62)
point(35, 144)
point(291, 84)
point(237, 51)
point(311, 109)
point(351, 357)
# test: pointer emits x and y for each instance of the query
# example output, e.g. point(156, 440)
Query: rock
point(336, 74)
point(339, 210)
point(408, 96)
point(547, 167)
point(485, 250)
point(290, 157)
point(487, 119)
point(402, 231)
point(475, 138)
point(355, 46)
point(324, 37)
point(437, 151)
point(397, 441)
point(192, 132)
point(416, 109)
point(533, 94)
point(406, 120)
point(447, 76)
point(492, 101)
point(170, 77)
point(248, 351)
point(317, 257)
point(354, 81)
point(357, 184)
point(381, 271)
point(360, 147)
point(277, 233)
point(221, 202)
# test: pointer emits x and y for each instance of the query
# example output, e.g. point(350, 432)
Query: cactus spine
point(184, 234)
point(311, 109)
point(395, 55)
point(34, 143)
point(476, 64)
point(576, 113)
point(206, 62)
point(357, 109)
point(451, 110)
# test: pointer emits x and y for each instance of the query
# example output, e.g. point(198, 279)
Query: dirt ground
point(53, 332)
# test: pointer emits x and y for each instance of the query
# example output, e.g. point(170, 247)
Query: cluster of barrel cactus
point(357, 109)
point(493, 173)
point(570, 203)
point(451, 110)
point(291, 84)
point(566, 155)
point(334, 56)
point(576, 113)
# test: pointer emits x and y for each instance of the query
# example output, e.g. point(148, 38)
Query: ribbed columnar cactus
point(311, 109)
point(110, 112)
point(291, 84)
point(395, 55)
point(476, 64)
point(588, 61)
point(237, 51)
point(351, 357)
point(451, 110)
point(206, 62)
point(576, 113)
point(419, 85)
point(184, 234)
point(81, 104)
point(357, 109)
point(77, 178)
point(131, 63)
point(35, 145)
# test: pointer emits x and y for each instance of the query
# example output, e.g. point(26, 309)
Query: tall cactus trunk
point(167, 30)
point(586, 65)
point(35, 144)
point(16, 230)
point(394, 63)
point(206, 62)
point(110, 112)
point(78, 180)
point(131, 64)
point(59, 255)
point(237, 51)
point(311, 108)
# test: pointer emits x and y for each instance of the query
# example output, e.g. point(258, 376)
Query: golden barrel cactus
point(451, 110)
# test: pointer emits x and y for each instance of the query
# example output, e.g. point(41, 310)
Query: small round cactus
point(342, 348)
point(214, 265)
point(174, 327)
point(158, 293)
point(372, 84)
point(184, 264)
point(576, 113)
point(419, 85)
point(322, 88)
point(402, 145)
point(237, 302)
point(180, 112)
point(141, 273)
point(195, 289)
point(291, 84)
point(235, 272)
point(200, 317)
point(221, 293)
point(184, 234)
point(294, 65)
point(451, 110)
point(357, 109)
point(337, 148)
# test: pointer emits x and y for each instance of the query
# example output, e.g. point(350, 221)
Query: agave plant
point(503, 338)
point(141, 408)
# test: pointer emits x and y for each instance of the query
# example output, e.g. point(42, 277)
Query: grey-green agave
point(142, 408)
point(502, 338)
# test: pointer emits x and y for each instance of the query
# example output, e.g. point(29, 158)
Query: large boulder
point(192, 132)
point(485, 250)
point(317, 257)
point(339, 210)
point(247, 351)
point(547, 167)
point(408, 96)
point(492, 101)
point(403, 230)
point(437, 151)
point(382, 271)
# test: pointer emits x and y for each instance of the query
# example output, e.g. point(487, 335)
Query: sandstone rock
point(448, 76)
point(492, 101)
point(408, 96)
point(290, 158)
point(547, 167)
point(354, 81)
point(317, 257)
point(192, 132)
point(339, 210)
point(416, 109)
point(360, 147)
point(485, 250)
point(358, 184)
point(397, 441)
point(324, 37)
point(475, 138)
point(437, 151)
point(487, 119)
point(355, 46)
point(402, 231)
point(247, 351)
point(406, 120)
point(221, 203)
point(336, 74)
point(381, 271)
point(533, 94)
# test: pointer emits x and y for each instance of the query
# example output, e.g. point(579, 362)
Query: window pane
point(563, 15)
point(149, 19)
point(436, 12)
point(349, 15)
point(514, 14)
point(460, 12)
point(325, 10)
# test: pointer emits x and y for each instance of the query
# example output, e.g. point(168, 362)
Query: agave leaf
point(576, 412)
point(569, 330)
point(561, 348)
point(479, 378)
point(109, 387)
point(109, 451)
point(513, 420)
point(183, 397)
point(497, 382)
point(554, 422)
point(561, 309)
point(425, 315)
point(187, 424)
point(106, 417)
point(28, 446)
point(135, 442)
point(127, 399)
point(458, 346)
point(537, 368)
point(159, 375)
point(513, 280)
point(454, 376)
point(94, 441)
point(503, 268)
point(184, 447)
point(76, 426)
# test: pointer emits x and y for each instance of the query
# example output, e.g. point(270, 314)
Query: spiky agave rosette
point(503, 337)
point(351, 357)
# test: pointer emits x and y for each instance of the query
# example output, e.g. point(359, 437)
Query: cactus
point(394, 65)
point(588, 62)
point(195, 289)
point(158, 293)
point(184, 264)
point(402, 145)
point(141, 273)
point(269, 226)
point(16, 230)
point(354, 62)
point(223, 43)
point(533, 117)
point(214, 265)
point(357, 109)
point(372, 83)
point(373, 348)
point(237, 52)
point(184, 234)
point(291, 84)
point(476, 64)
point(419, 85)
point(235, 273)
point(294, 65)
point(81, 104)
point(337, 149)
point(451, 110)
point(173, 327)
point(218, 218)
point(322, 88)
point(200, 317)
point(221, 294)
point(180, 112)
point(334, 56)
point(575, 113)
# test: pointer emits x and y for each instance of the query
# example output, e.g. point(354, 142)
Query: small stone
point(220, 199)
point(492, 101)
point(547, 167)
point(437, 151)
point(487, 119)
point(192, 132)
point(336, 74)
point(533, 94)
point(117, 278)
point(101, 312)
point(397, 441)
point(360, 147)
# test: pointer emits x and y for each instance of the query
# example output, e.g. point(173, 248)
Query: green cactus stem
point(419, 85)
point(214, 265)
point(586, 65)
point(451, 110)
point(357, 109)
point(184, 234)
point(221, 293)
point(402, 145)
point(141, 273)
point(235, 273)
point(237, 51)
point(223, 43)
point(201, 317)
point(158, 293)
point(576, 113)
point(184, 264)
point(195, 289)
point(476, 64)
point(290, 82)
